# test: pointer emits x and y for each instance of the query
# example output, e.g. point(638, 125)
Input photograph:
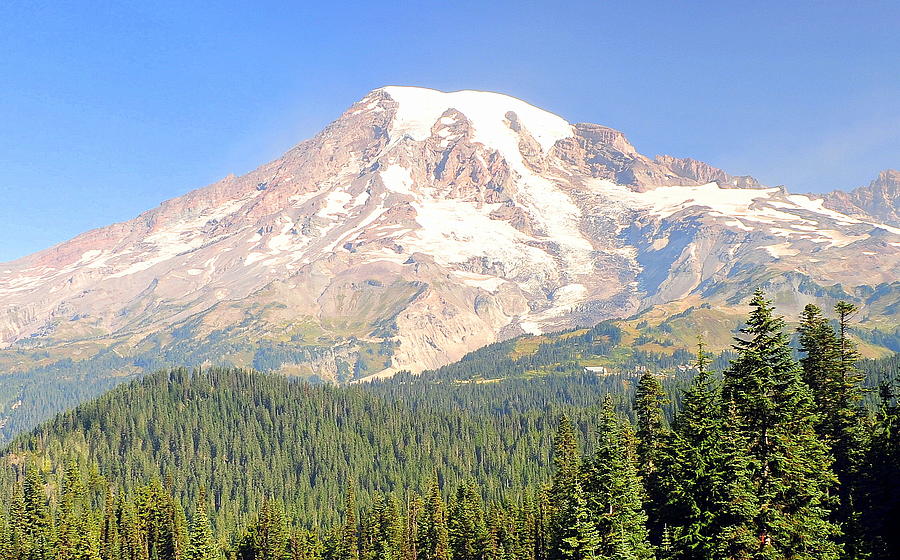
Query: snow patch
point(781, 250)
point(334, 204)
point(254, 257)
point(397, 179)
point(570, 294)
point(420, 108)
point(89, 255)
point(482, 281)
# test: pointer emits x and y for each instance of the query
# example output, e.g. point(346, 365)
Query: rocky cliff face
point(419, 226)
point(880, 199)
point(703, 173)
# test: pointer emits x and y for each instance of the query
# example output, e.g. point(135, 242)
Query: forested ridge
point(771, 457)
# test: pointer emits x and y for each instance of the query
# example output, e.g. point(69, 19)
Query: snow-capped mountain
point(421, 225)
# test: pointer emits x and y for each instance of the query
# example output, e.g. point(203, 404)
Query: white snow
point(361, 198)
point(178, 237)
point(743, 209)
point(568, 295)
point(298, 200)
point(140, 266)
point(334, 203)
point(817, 205)
point(781, 250)
point(254, 257)
point(397, 178)
point(667, 201)
point(453, 231)
point(553, 209)
point(483, 281)
point(284, 241)
point(420, 108)
point(352, 233)
point(89, 255)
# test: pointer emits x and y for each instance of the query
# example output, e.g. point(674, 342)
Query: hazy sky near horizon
point(109, 108)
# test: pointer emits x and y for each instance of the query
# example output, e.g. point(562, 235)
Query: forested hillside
point(767, 457)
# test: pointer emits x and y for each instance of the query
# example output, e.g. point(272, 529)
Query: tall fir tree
point(201, 544)
point(433, 539)
point(829, 368)
point(614, 492)
point(706, 480)
point(648, 402)
point(384, 534)
point(820, 360)
point(572, 532)
point(17, 544)
point(348, 538)
point(75, 535)
point(38, 532)
point(791, 468)
point(466, 524)
point(110, 533)
point(880, 492)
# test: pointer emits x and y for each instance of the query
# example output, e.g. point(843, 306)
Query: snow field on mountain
point(418, 111)
point(420, 108)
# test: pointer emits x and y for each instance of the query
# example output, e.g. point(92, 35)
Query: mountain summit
point(419, 226)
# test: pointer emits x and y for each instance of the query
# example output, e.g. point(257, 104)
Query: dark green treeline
point(776, 458)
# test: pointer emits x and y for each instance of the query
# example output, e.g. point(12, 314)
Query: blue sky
point(106, 108)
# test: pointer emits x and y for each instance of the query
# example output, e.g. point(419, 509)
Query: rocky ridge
point(879, 199)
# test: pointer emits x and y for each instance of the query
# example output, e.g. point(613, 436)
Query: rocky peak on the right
point(880, 199)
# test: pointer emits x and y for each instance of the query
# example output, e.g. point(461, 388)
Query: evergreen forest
point(787, 447)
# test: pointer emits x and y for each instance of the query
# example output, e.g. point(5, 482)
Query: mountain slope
point(417, 227)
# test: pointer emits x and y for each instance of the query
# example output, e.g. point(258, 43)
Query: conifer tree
point(737, 494)
point(648, 401)
point(572, 532)
point(110, 536)
point(705, 465)
point(432, 542)
point(348, 543)
point(384, 533)
point(413, 510)
point(134, 537)
point(847, 436)
point(529, 527)
point(273, 544)
point(829, 368)
point(305, 545)
point(201, 545)
point(820, 362)
point(791, 470)
point(39, 539)
point(880, 495)
point(614, 491)
point(16, 544)
point(74, 536)
point(466, 524)
point(544, 522)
